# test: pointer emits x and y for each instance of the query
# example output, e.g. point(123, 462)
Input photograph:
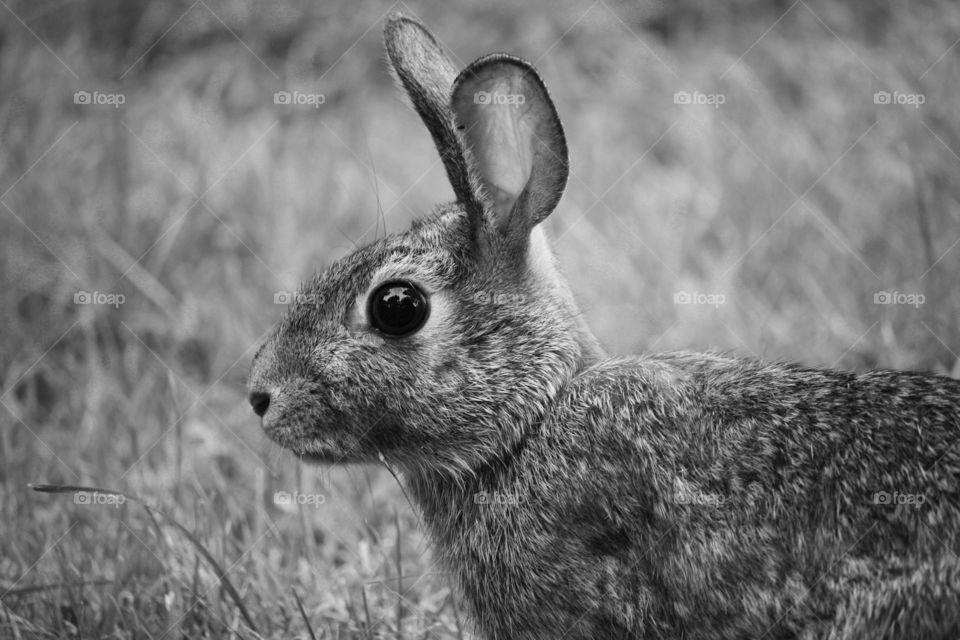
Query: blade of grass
point(303, 613)
point(366, 612)
point(456, 616)
point(396, 521)
point(12, 622)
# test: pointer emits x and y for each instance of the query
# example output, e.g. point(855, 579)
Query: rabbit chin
point(316, 451)
point(312, 448)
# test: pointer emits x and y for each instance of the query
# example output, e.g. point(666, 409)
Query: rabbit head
point(438, 347)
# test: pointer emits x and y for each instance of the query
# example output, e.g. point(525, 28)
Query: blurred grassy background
point(797, 199)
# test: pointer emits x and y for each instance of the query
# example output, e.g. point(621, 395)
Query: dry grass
point(797, 200)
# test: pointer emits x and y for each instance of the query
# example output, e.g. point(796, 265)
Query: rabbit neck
point(453, 503)
point(473, 520)
point(543, 267)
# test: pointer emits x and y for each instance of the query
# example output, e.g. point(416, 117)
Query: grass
point(198, 199)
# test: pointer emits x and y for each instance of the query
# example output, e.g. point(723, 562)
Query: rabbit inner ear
point(515, 140)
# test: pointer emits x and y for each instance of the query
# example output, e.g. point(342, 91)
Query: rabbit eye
point(398, 308)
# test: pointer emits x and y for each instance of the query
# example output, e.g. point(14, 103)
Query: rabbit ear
point(427, 76)
point(516, 141)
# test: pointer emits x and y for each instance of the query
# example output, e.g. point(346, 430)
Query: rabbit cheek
point(332, 363)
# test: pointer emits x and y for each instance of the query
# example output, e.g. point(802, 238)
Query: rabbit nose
point(260, 401)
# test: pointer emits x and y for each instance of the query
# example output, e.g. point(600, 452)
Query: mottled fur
point(575, 495)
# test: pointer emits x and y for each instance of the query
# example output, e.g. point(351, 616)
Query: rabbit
point(575, 494)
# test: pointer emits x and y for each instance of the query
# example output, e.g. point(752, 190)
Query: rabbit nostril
point(260, 401)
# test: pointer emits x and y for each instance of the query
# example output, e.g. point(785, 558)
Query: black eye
point(398, 308)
